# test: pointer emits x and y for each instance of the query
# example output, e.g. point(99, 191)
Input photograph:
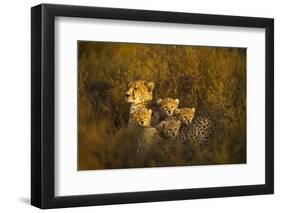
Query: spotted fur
point(198, 131)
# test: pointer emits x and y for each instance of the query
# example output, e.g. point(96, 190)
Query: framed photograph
point(139, 106)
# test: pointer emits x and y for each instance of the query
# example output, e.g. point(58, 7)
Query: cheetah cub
point(198, 131)
point(170, 129)
point(185, 115)
point(147, 135)
point(168, 107)
point(141, 117)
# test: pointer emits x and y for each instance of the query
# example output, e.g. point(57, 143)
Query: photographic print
point(159, 105)
point(181, 97)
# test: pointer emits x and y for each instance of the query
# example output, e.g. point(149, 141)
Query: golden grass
point(213, 80)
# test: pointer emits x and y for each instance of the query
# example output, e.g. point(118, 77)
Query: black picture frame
point(43, 102)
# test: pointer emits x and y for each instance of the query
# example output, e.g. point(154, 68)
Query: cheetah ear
point(193, 109)
point(177, 100)
point(177, 111)
point(163, 124)
point(159, 101)
point(150, 85)
point(179, 122)
point(150, 111)
point(129, 84)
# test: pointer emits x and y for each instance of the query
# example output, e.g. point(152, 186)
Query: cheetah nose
point(127, 95)
point(169, 112)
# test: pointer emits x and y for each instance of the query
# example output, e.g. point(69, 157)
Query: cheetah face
point(168, 106)
point(170, 129)
point(142, 117)
point(139, 92)
point(186, 115)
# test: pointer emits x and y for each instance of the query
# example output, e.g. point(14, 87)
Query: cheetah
point(185, 115)
point(168, 106)
point(146, 135)
point(198, 131)
point(141, 117)
point(170, 129)
point(139, 94)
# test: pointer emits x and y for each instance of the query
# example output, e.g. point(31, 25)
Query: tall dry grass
point(213, 80)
